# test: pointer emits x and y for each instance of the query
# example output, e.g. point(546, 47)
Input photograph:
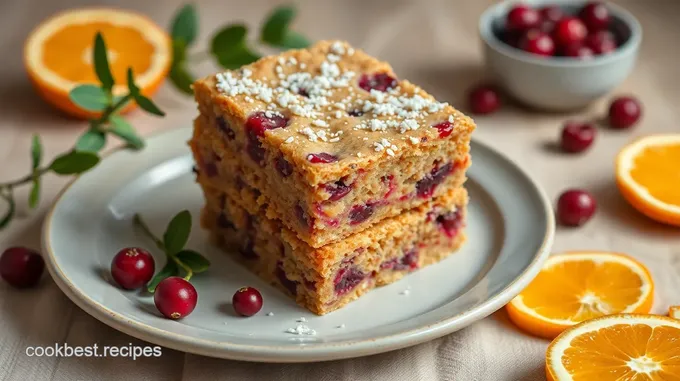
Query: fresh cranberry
point(577, 137)
point(224, 126)
point(602, 42)
point(624, 112)
point(247, 301)
point(355, 112)
point(451, 223)
point(595, 15)
point(570, 30)
point(224, 223)
point(337, 190)
point(175, 297)
point(426, 186)
point(483, 99)
point(538, 43)
point(522, 17)
point(256, 125)
point(248, 249)
point(283, 166)
point(552, 13)
point(21, 267)
point(445, 128)
point(380, 82)
point(347, 279)
point(577, 50)
point(575, 207)
point(285, 282)
point(360, 213)
point(322, 157)
point(303, 217)
point(132, 268)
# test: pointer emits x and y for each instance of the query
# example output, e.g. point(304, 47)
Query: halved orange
point(648, 176)
point(58, 53)
point(621, 347)
point(574, 287)
point(674, 312)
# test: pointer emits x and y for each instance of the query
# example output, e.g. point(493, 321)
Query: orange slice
point(575, 287)
point(58, 53)
point(674, 312)
point(648, 176)
point(621, 347)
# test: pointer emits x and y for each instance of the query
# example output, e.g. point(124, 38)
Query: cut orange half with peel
point(674, 312)
point(574, 287)
point(620, 347)
point(648, 176)
point(58, 54)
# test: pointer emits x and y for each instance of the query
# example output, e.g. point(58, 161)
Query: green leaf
point(170, 269)
point(101, 63)
point(294, 40)
point(11, 207)
point(177, 233)
point(74, 162)
point(36, 152)
point(275, 28)
point(230, 47)
point(121, 128)
point(197, 262)
point(132, 87)
point(181, 78)
point(91, 140)
point(185, 25)
point(34, 196)
point(145, 103)
point(89, 97)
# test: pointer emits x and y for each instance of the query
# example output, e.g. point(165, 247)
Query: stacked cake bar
point(326, 175)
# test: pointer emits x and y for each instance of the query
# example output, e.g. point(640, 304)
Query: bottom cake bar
point(327, 278)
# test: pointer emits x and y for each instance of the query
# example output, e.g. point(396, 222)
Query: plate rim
point(300, 353)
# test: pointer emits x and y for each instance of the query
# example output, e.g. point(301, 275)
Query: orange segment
point(617, 347)
point(575, 287)
point(648, 176)
point(58, 53)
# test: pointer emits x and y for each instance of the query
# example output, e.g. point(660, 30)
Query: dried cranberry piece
point(256, 125)
point(322, 157)
point(445, 128)
point(390, 184)
point(347, 279)
point(337, 190)
point(283, 166)
point(379, 81)
point(360, 213)
point(389, 264)
point(224, 126)
point(303, 217)
point(409, 261)
point(450, 222)
point(425, 187)
point(285, 282)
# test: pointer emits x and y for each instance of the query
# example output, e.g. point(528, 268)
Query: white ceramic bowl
point(558, 83)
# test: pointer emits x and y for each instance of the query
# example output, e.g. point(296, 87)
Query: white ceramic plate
point(510, 232)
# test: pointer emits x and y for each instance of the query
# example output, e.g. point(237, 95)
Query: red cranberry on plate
point(21, 267)
point(483, 99)
point(132, 268)
point(522, 17)
point(624, 112)
point(602, 42)
point(595, 15)
point(552, 13)
point(577, 137)
point(247, 301)
point(175, 297)
point(575, 207)
point(570, 30)
point(538, 43)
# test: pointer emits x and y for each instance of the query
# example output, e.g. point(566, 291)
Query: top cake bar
point(329, 138)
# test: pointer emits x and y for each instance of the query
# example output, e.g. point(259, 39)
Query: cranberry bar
point(327, 278)
point(330, 139)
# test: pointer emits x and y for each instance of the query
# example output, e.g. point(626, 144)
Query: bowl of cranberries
point(559, 54)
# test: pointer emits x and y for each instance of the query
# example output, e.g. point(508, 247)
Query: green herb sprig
point(229, 46)
point(177, 257)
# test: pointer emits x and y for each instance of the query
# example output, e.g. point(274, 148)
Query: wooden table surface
point(433, 43)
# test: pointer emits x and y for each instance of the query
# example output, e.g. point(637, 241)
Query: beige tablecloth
point(433, 43)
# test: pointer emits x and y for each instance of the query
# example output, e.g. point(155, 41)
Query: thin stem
point(137, 220)
point(26, 179)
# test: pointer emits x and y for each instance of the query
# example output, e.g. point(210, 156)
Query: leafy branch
point(84, 155)
point(177, 257)
point(229, 46)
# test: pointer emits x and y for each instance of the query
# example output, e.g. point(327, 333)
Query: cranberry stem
point(137, 220)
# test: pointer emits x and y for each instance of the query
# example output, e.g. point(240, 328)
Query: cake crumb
point(270, 314)
point(301, 329)
point(405, 292)
point(301, 320)
point(341, 326)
